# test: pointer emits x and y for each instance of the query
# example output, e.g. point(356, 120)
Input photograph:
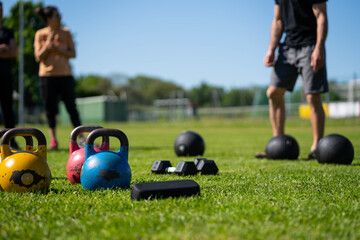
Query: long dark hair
point(45, 12)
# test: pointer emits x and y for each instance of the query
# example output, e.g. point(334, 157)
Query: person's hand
point(317, 59)
point(49, 46)
point(269, 58)
point(49, 42)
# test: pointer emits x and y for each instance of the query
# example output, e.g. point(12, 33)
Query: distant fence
point(332, 109)
point(257, 111)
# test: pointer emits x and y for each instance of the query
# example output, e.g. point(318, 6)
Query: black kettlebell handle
point(28, 139)
point(3, 131)
point(24, 132)
point(85, 128)
point(109, 132)
point(31, 132)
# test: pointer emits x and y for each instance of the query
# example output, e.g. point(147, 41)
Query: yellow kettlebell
point(24, 171)
point(28, 147)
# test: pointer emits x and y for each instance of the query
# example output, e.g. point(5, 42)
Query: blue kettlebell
point(106, 169)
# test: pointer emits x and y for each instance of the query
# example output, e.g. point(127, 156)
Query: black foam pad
point(176, 188)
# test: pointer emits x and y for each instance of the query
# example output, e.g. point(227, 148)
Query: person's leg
point(6, 91)
point(54, 142)
point(317, 118)
point(283, 78)
point(49, 95)
point(314, 83)
point(6, 99)
point(277, 112)
point(68, 97)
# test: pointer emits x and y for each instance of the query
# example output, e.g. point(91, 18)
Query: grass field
point(249, 199)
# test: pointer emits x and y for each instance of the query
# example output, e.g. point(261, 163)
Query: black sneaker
point(260, 155)
point(312, 155)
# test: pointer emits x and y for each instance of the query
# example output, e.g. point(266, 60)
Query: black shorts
point(290, 63)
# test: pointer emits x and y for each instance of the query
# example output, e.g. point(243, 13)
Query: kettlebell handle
point(81, 129)
point(86, 128)
point(3, 131)
point(12, 132)
point(108, 132)
point(28, 139)
point(24, 132)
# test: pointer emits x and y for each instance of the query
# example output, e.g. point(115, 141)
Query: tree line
point(144, 90)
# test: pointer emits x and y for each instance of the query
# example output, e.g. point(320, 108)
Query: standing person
point(8, 51)
point(303, 52)
point(53, 48)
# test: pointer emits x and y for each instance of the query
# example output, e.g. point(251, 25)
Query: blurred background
point(175, 60)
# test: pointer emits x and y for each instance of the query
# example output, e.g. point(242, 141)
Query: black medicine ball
point(282, 147)
point(335, 148)
point(189, 143)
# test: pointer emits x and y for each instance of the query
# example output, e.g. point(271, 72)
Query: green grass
point(249, 199)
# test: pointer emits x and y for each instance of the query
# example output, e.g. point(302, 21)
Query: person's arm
point(69, 52)
point(49, 46)
point(42, 52)
point(8, 50)
point(318, 55)
point(277, 30)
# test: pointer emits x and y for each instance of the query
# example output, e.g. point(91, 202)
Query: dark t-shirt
point(299, 21)
point(6, 35)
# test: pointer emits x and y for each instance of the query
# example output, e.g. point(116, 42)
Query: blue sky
point(221, 42)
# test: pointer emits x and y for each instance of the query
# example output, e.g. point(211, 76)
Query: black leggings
point(6, 91)
point(53, 87)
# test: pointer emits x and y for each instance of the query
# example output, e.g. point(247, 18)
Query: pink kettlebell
point(77, 154)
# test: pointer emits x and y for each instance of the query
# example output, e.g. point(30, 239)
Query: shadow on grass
point(149, 148)
point(286, 160)
point(312, 160)
point(39, 192)
point(59, 191)
point(306, 160)
point(78, 189)
point(355, 165)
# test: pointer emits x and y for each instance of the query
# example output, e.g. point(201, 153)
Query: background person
point(53, 48)
point(303, 52)
point(8, 51)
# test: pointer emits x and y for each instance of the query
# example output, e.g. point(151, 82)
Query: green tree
point(145, 90)
point(31, 24)
point(333, 91)
point(206, 95)
point(238, 97)
point(297, 96)
point(93, 85)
